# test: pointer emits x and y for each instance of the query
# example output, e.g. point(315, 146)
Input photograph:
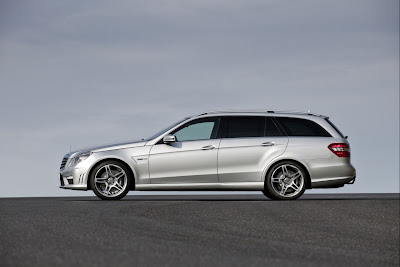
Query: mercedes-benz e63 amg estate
point(279, 153)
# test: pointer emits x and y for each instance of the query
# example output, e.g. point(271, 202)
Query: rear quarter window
point(336, 128)
point(302, 127)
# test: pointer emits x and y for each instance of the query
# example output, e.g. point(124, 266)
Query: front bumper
point(73, 178)
point(74, 187)
point(76, 177)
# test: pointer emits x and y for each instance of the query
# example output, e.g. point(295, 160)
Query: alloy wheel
point(110, 180)
point(287, 180)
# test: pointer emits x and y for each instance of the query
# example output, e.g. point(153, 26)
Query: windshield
point(166, 129)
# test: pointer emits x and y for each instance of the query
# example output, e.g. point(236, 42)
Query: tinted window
point(270, 128)
point(197, 130)
point(334, 127)
point(243, 127)
point(301, 127)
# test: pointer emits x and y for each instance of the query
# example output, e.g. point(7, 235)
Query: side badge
point(139, 159)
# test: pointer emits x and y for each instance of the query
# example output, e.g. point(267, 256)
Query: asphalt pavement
point(201, 230)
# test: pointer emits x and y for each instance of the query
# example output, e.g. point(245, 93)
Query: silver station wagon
point(279, 153)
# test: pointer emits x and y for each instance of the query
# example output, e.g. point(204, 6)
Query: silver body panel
point(244, 159)
point(217, 164)
point(184, 162)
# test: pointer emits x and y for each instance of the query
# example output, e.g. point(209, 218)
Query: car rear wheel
point(110, 180)
point(285, 181)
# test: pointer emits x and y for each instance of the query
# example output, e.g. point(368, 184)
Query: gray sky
point(82, 73)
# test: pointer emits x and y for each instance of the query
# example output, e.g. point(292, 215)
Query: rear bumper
point(332, 182)
point(332, 176)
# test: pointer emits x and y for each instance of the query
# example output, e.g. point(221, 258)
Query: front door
point(191, 159)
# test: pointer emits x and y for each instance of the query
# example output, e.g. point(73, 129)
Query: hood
point(108, 147)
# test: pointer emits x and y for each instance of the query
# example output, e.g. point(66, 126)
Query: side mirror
point(169, 138)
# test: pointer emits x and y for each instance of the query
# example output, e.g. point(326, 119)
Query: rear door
point(248, 144)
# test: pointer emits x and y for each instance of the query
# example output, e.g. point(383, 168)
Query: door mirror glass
point(169, 138)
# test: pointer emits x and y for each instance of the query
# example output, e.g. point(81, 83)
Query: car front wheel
point(285, 181)
point(110, 180)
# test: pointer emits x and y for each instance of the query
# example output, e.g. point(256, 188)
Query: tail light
point(340, 149)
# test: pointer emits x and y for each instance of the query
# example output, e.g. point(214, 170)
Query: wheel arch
point(276, 162)
point(131, 171)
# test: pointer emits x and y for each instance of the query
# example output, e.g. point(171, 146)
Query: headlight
point(79, 158)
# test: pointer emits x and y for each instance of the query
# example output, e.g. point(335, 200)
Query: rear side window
point(244, 126)
point(270, 128)
point(301, 127)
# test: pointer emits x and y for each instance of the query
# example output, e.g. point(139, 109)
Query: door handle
point(268, 144)
point(208, 147)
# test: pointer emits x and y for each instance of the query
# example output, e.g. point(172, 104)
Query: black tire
point(285, 180)
point(267, 194)
point(110, 180)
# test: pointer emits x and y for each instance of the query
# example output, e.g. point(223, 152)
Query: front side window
point(301, 127)
point(166, 129)
point(201, 129)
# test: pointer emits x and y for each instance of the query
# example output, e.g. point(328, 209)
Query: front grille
point(63, 162)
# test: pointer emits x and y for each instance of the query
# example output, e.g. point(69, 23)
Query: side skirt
point(246, 186)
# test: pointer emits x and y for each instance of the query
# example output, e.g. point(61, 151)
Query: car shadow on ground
point(244, 197)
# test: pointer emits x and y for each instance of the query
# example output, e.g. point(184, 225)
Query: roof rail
point(260, 111)
point(237, 111)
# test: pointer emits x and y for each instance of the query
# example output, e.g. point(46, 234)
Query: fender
point(109, 157)
point(282, 158)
